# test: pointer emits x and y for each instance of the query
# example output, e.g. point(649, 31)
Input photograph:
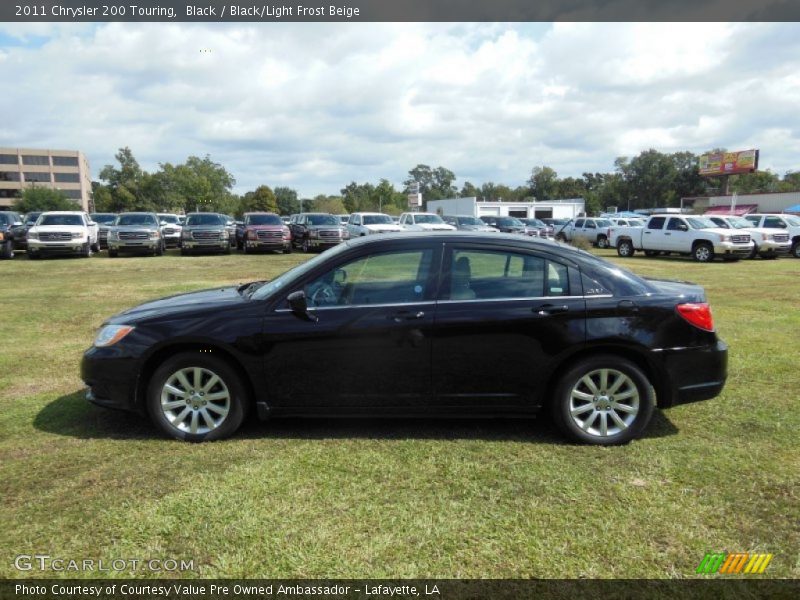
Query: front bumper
point(209, 245)
point(268, 244)
point(110, 379)
point(71, 247)
point(172, 240)
point(693, 374)
point(324, 243)
point(133, 245)
point(772, 247)
point(731, 249)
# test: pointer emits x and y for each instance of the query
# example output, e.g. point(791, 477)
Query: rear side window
point(497, 274)
point(579, 223)
point(656, 223)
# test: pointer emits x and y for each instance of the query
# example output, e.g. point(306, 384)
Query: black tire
point(236, 404)
point(602, 242)
point(159, 251)
point(795, 251)
point(601, 407)
point(95, 248)
point(769, 256)
point(227, 250)
point(651, 253)
point(184, 252)
point(703, 252)
point(86, 250)
point(754, 251)
point(288, 249)
point(561, 238)
point(113, 253)
point(245, 249)
point(7, 253)
point(306, 246)
point(34, 255)
point(625, 248)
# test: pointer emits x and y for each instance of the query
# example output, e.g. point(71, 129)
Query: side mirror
point(163, 223)
point(16, 224)
point(299, 305)
point(683, 227)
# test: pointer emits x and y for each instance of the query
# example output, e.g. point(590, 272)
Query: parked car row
point(705, 238)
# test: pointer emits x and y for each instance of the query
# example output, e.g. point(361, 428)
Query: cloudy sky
point(315, 106)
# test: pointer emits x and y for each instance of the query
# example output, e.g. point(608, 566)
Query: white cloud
point(315, 106)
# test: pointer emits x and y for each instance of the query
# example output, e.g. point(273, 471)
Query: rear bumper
point(693, 374)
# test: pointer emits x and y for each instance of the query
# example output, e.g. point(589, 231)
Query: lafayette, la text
point(269, 11)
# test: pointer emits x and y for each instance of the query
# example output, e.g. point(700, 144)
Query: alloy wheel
point(604, 402)
point(195, 400)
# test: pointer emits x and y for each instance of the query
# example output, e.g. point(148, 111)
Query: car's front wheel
point(605, 400)
point(196, 397)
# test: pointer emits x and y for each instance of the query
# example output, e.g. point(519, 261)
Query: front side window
point(497, 274)
point(675, 224)
point(385, 278)
point(773, 223)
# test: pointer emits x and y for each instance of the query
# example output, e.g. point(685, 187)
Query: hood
point(436, 226)
point(383, 227)
point(133, 227)
point(212, 300)
point(478, 228)
point(264, 227)
point(76, 228)
point(721, 231)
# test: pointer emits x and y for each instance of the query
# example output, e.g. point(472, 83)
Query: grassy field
point(392, 499)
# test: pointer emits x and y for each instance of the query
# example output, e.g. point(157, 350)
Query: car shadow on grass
point(71, 415)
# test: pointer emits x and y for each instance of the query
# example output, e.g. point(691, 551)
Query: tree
point(288, 204)
point(468, 190)
point(261, 200)
point(103, 200)
point(37, 198)
point(197, 184)
point(328, 204)
point(542, 183)
point(434, 184)
point(125, 183)
point(358, 197)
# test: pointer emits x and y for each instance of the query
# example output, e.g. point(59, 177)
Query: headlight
point(113, 235)
point(768, 237)
point(154, 235)
point(345, 234)
point(313, 233)
point(111, 334)
point(225, 235)
point(33, 235)
point(187, 235)
point(724, 238)
point(77, 235)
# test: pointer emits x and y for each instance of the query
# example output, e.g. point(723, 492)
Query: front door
point(370, 345)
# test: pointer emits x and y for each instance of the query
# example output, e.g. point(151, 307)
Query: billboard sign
point(728, 163)
point(414, 200)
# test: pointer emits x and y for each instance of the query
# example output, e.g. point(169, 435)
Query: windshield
point(169, 219)
point(470, 221)
point(378, 220)
point(534, 223)
point(739, 223)
point(635, 223)
point(103, 218)
point(434, 219)
point(60, 220)
point(793, 221)
point(322, 220)
point(603, 223)
point(136, 219)
point(31, 217)
point(262, 220)
point(283, 281)
point(701, 223)
point(205, 219)
point(509, 222)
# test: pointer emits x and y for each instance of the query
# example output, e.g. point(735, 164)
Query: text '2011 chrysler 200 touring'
point(434, 324)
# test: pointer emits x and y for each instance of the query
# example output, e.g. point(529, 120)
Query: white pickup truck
point(63, 232)
point(695, 236)
point(780, 224)
point(594, 231)
point(767, 243)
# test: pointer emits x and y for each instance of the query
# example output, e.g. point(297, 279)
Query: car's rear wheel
point(625, 248)
point(703, 252)
point(604, 400)
point(602, 242)
point(196, 397)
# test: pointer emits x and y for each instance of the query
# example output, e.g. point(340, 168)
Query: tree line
point(651, 179)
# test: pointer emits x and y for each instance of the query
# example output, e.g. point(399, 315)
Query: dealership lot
point(392, 499)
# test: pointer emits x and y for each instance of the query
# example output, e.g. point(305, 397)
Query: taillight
point(698, 314)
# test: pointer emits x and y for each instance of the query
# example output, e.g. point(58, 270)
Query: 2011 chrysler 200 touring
point(433, 324)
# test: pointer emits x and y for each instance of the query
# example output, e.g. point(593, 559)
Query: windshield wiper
point(247, 289)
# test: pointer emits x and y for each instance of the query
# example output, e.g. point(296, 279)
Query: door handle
point(647, 233)
point(667, 233)
point(550, 309)
point(406, 315)
point(628, 306)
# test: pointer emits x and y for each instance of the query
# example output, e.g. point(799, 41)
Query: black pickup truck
point(8, 222)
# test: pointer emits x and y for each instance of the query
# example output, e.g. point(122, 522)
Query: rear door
point(503, 316)
point(653, 234)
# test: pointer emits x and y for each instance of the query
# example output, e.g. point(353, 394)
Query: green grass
point(391, 499)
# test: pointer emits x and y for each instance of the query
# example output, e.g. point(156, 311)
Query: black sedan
point(431, 324)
